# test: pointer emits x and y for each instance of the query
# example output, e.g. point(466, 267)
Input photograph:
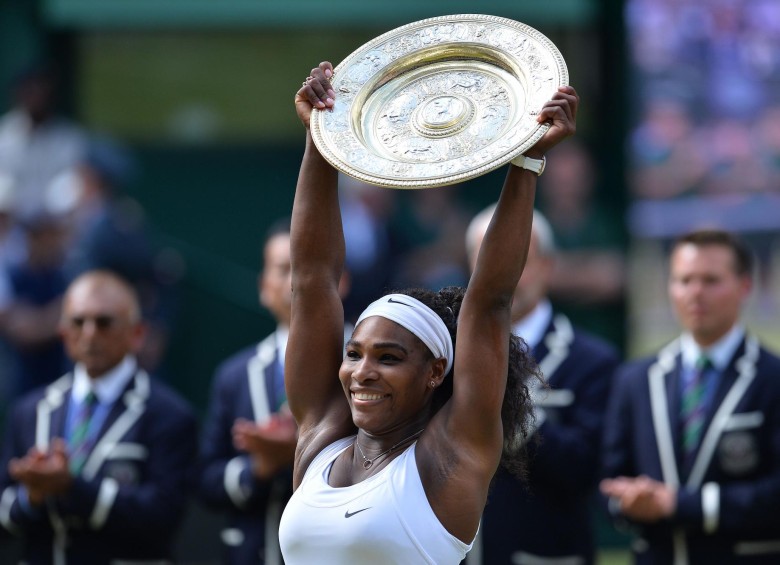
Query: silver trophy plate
point(439, 101)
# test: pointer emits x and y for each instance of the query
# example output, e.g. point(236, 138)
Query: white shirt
point(532, 327)
point(107, 387)
point(720, 353)
point(33, 156)
point(384, 520)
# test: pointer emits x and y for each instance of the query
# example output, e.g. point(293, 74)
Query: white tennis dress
point(383, 520)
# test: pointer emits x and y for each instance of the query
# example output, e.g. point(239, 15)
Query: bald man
point(94, 466)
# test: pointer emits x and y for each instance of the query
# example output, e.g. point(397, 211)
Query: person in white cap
point(396, 455)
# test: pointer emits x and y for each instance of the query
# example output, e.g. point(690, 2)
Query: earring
point(433, 384)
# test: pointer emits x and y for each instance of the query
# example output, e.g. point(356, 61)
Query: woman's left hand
point(560, 112)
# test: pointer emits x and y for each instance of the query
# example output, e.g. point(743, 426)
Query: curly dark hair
point(517, 409)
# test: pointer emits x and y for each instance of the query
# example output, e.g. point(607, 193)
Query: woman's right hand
point(316, 92)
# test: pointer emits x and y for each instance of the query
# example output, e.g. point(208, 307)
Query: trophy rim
point(322, 136)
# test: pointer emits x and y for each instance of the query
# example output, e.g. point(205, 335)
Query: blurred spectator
point(11, 240)
point(94, 467)
point(691, 453)
point(373, 244)
point(11, 249)
point(30, 316)
point(249, 438)
point(109, 231)
point(589, 279)
point(35, 143)
point(768, 142)
point(767, 131)
point(734, 160)
point(666, 160)
point(435, 220)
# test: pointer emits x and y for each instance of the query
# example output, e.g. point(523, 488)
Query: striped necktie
point(80, 439)
point(693, 408)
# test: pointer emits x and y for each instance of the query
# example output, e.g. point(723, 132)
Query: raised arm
point(315, 346)
point(481, 355)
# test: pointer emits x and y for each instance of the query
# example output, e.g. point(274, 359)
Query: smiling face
point(706, 291)
point(386, 374)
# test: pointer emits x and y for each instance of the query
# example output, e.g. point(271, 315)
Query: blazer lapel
point(51, 412)
point(725, 382)
point(735, 383)
point(550, 352)
point(554, 347)
point(256, 373)
point(673, 382)
point(660, 377)
point(127, 410)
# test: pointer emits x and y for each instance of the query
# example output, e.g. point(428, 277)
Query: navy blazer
point(729, 504)
point(547, 519)
point(243, 387)
point(128, 500)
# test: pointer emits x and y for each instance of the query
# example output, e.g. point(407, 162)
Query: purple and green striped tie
point(693, 408)
point(80, 438)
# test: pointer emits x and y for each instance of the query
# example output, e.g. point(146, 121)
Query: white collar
point(109, 386)
point(282, 333)
point(720, 353)
point(532, 327)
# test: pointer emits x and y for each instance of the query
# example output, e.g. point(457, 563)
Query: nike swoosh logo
point(399, 302)
point(349, 514)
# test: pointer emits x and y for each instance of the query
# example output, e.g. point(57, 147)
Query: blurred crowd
point(64, 210)
point(707, 76)
point(703, 144)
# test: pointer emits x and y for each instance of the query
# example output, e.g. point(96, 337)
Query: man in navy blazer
point(710, 492)
point(548, 518)
point(94, 466)
point(249, 436)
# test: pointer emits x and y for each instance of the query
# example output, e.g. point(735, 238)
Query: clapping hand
point(271, 445)
point(43, 473)
point(641, 498)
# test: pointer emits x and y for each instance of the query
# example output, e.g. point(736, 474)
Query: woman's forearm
point(504, 249)
point(317, 237)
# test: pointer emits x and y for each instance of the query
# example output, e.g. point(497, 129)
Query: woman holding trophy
point(400, 437)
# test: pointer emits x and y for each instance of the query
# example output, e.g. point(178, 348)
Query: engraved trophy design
point(439, 101)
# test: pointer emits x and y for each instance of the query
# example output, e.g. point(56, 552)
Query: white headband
point(418, 319)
